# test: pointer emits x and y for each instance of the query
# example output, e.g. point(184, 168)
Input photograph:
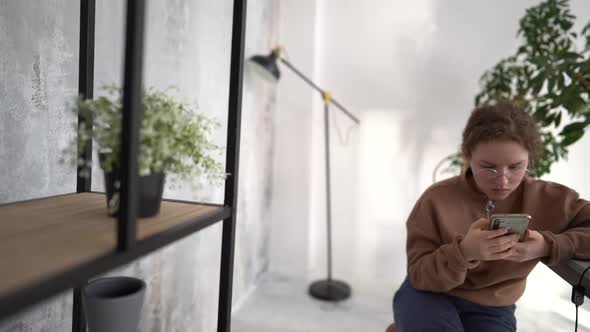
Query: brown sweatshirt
point(443, 214)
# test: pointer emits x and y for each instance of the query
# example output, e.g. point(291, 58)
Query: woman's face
point(498, 167)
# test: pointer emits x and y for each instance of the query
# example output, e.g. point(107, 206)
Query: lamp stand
point(328, 289)
point(325, 289)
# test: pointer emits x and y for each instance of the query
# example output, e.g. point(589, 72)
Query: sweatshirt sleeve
point(432, 265)
point(574, 241)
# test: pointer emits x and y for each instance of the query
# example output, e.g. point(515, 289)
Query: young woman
point(463, 276)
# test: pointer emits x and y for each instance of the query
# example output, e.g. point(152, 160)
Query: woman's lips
point(502, 190)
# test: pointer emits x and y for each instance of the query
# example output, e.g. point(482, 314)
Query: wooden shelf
point(43, 238)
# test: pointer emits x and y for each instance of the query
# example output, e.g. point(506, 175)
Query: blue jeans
point(416, 310)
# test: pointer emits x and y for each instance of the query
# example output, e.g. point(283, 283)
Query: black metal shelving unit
point(111, 243)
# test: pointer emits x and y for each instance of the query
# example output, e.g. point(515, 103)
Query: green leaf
point(550, 84)
point(572, 128)
point(572, 137)
point(557, 121)
point(578, 104)
point(540, 61)
point(548, 120)
point(572, 56)
point(540, 113)
point(555, 148)
point(566, 25)
point(537, 83)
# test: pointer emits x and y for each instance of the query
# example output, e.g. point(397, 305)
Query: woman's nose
point(502, 177)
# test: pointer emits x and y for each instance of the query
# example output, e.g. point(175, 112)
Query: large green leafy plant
point(173, 137)
point(548, 76)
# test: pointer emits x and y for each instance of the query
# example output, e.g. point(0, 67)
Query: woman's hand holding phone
point(481, 243)
point(534, 246)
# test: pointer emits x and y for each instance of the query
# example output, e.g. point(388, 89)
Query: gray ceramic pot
point(113, 304)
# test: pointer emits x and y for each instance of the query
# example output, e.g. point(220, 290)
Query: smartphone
point(515, 223)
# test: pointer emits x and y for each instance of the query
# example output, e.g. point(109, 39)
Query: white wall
point(343, 144)
point(293, 121)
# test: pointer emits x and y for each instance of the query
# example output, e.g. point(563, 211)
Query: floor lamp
point(326, 289)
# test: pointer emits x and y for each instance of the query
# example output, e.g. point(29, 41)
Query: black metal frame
point(232, 162)
point(128, 247)
point(78, 317)
point(132, 113)
point(85, 90)
point(86, 78)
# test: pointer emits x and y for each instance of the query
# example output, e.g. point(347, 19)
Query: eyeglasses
point(491, 174)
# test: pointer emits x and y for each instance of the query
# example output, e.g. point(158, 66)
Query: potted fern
point(174, 139)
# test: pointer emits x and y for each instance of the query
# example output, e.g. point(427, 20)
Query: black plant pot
point(113, 304)
point(151, 188)
point(150, 192)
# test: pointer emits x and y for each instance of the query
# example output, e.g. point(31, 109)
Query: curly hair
point(502, 121)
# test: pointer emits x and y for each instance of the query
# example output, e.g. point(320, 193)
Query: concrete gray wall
point(39, 69)
point(187, 46)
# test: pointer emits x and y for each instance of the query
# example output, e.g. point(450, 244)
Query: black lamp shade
point(267, 65)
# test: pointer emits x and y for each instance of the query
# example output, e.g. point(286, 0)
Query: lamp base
point(329, 290)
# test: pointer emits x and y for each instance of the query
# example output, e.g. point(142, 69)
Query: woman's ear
point(466, 155)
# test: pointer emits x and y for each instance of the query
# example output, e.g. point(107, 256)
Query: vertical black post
point(232, 165)
point(131, 123)
point(328, 189)
point(86, 80)
point(78, 318)
point(85, 90)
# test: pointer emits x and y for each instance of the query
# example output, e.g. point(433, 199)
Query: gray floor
point(281, 304)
